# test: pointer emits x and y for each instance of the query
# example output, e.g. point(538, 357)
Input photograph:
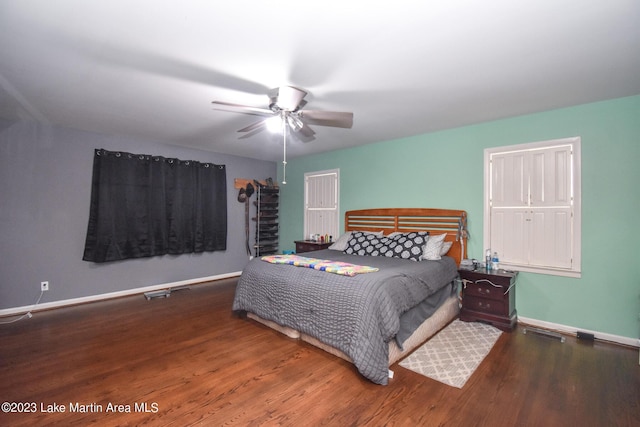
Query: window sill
point(542, 270)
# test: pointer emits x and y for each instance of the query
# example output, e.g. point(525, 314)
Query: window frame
point(336, 204)
point(575, 269)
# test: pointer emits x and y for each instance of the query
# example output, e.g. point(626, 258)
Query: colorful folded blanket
point(337, 267)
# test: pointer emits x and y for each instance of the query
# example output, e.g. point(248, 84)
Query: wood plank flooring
point(187, 360)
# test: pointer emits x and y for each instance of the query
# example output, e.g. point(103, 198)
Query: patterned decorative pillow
point(406, 245)
point(403, 245)
point(433, 247)
point(363, 243)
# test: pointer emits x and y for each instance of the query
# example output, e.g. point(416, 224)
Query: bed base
point(442, 317)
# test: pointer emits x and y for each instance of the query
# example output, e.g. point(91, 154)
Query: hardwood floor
point(192, 362)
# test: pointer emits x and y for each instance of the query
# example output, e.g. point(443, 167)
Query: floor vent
point(543, 332)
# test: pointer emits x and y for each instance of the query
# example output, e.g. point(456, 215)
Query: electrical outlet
point(44, 286)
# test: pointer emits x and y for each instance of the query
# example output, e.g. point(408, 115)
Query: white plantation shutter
point(321, 207)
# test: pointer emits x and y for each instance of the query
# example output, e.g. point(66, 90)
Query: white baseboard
point(93, 298)
point(570, 330)
point(633, 342)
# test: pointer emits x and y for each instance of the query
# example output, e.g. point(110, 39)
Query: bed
point(372, 319)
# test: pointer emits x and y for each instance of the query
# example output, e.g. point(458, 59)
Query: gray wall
point(45, 188)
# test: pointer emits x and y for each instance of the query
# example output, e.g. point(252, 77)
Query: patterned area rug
point(453, 355)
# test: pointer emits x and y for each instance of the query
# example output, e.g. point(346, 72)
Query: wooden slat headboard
point(435, 221)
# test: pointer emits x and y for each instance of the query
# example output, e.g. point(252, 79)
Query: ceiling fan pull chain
point(284, 154)
point(284, 172)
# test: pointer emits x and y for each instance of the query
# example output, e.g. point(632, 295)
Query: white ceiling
point(150, 68)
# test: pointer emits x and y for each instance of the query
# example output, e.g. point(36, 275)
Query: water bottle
point(494, 261)
point(487, 260)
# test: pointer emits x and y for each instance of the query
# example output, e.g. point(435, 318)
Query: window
point(144, 205)
point(321, 208)
point(532, 206)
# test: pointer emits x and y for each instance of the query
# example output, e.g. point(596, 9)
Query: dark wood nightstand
point(489, 297)
point(310, 245)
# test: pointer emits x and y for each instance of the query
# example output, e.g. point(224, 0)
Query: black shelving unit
point(266, 218)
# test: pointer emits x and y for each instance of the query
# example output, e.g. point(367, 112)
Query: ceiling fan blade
point(147, 61)
point(255, 126)
point(328, 118)
point(256, 131)
point(248, 135)
point(306, 131)
point(305, 135)
point(246, 109)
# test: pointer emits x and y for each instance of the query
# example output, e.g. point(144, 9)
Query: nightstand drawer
point(482, 288)
point(484, 305)
point(482, 277)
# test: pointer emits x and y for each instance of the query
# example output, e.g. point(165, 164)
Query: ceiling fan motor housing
point(286, 98)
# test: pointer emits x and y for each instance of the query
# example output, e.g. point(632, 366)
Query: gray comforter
point(358, 315)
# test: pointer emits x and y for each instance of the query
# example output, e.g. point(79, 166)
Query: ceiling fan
point(286, 110)
point(287, 102)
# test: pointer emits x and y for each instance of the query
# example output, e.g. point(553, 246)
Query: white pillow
point(433, 247)
point(445, 248)
point(343, 241)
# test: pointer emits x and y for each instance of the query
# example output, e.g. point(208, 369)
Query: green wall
point(445, 170)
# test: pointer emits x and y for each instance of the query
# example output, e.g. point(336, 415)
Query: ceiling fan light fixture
point(274, 124)
point(294, 122)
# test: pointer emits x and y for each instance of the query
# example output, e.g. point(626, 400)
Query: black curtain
point(145, 206)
